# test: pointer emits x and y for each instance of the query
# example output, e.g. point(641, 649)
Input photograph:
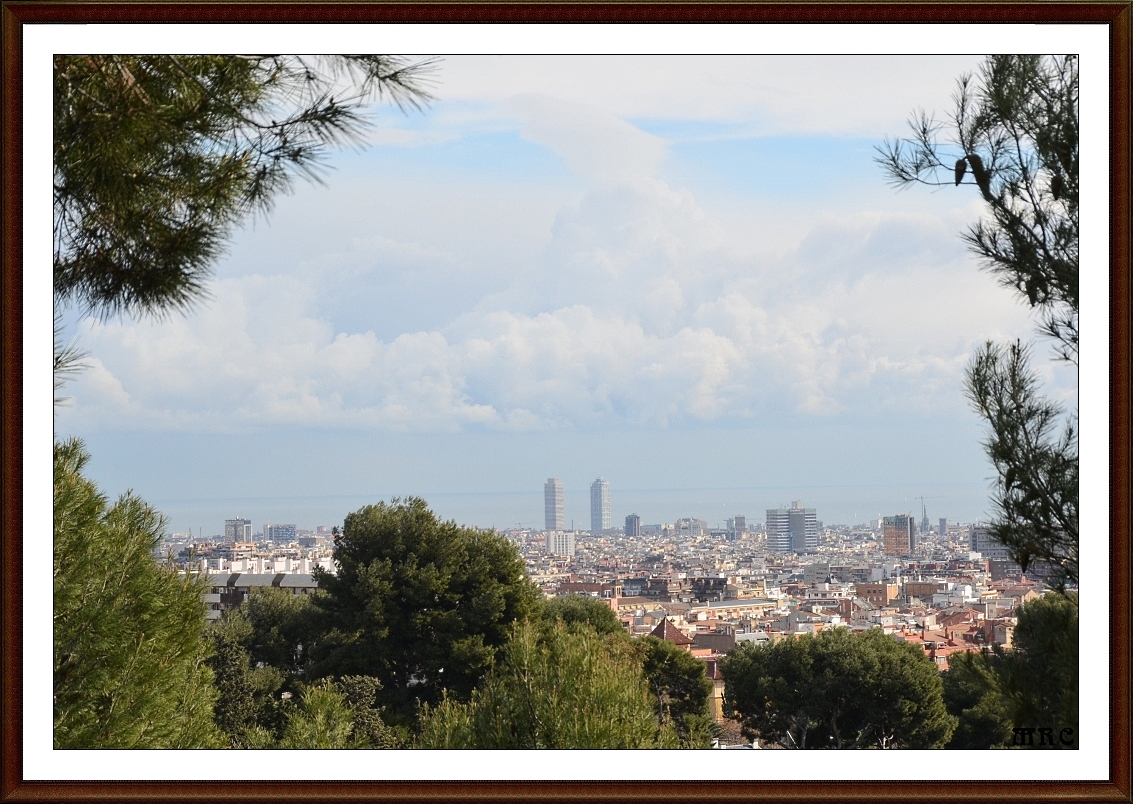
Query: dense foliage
point(554, 687)
point(838, 689)
point(421, 604)
point(981, 717)
point(583, 610)
point(128, 657)
point(1035, 681)
point(680, 690)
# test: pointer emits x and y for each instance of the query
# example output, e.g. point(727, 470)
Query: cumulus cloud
point(641, 308)
point(651, 318)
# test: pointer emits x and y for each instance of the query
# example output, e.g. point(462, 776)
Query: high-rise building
point(943, 525)
point(601, 517)
point(560, 543)
point(792, 530)
point(778, 530)
point(280, 533)
point(238, 530)
point(633, 526)
point(898, 535)
point(554, 511)
point(739, 523)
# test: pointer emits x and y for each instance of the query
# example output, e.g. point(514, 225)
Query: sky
point(686, 275)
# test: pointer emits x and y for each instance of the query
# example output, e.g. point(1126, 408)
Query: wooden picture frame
point(14, 528)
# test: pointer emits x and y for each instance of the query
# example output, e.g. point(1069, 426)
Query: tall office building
point(792, 530)
point(943, 525)
point(633, 526)
point(238, 530)
point(554, 511)
point(601, 517)
point(898, 535)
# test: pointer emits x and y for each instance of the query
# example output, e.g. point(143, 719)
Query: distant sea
point(835, 505)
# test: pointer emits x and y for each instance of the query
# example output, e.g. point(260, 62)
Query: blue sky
point(684, 274)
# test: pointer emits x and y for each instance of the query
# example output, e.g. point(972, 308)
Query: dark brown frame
point(13, 15)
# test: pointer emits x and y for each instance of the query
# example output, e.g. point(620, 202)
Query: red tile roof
point(669, 632)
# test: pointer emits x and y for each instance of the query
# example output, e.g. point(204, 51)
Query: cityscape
point(945, 587)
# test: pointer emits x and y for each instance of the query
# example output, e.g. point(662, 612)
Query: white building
point(560, 543)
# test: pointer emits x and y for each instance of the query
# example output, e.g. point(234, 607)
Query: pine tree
point(680, 687)
point(554, 687)
point(156, 158)
point(129, 658)
point(422, 605)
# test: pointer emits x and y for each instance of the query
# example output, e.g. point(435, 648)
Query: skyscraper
point(897, 535)
point(633, 526)
point(792, 530)
point(238, 530)
point(600, 512)
point(554, 511)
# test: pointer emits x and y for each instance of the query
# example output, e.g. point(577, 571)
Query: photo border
point(13, 15)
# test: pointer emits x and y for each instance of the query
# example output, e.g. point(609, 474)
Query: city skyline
point(555, 519)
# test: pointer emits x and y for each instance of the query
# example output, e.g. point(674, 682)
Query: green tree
point(680, 688)
point(330, 714)
point(283, 629)
point(421, 604)
point(320, 720)
point(156, 158)
point(128, 657)
point(249, 696)
point(1035, 681)
point(1015, 129)
point(838, 690)
point(554, 687)
point(982, 718)
point(583, 610)
point(1035, 453)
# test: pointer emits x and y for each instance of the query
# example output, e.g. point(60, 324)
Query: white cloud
point(769, 94)
point(632, 302)
point(595, 143)
point(657, 320)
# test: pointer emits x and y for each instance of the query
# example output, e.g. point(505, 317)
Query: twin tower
point(601, 515)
